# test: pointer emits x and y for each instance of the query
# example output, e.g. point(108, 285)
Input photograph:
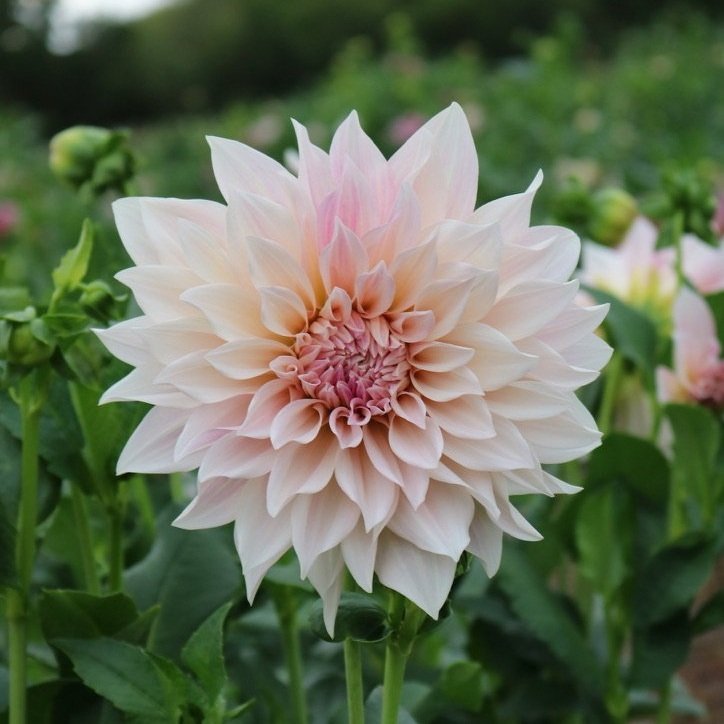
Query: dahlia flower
point(635, 272)
point(362, 366)
point(703, 264)
point(698, 374)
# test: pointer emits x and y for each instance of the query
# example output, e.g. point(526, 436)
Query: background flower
point(698, 374)
point(362, 365)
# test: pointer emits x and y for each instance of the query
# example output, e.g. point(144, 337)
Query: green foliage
point(359, 617)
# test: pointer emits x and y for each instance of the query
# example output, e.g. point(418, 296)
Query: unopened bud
point(19, 346)
point(98, 300)
point(613, 212)
point(92, 158)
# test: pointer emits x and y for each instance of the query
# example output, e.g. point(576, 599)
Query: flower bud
point(19, 346)
point(98, 300)
point(96, 159)
point(613, 211)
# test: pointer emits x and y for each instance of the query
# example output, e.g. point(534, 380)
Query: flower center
point(709, 388)
point(353, 363)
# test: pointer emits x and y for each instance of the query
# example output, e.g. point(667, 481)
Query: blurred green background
point(611, 93)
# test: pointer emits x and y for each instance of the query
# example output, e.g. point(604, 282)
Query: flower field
point(361, 417)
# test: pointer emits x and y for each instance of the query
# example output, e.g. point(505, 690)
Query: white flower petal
point(216, 503)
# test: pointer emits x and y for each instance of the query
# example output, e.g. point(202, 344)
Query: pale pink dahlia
point(362, 365)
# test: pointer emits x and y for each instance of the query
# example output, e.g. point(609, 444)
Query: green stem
point(663, 715)
point(617, 697)
point(405, 619)
point(16, 616)
point(144, 503)
point(286, 606)
point(395, 663)
point(115, 548)
point(353, 675)
point(612, 380)
point(30, 399)
point(177, 489)
point(92, 581)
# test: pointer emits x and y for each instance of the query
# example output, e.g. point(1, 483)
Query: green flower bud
point(613, 212)
point(19, 346)
point(98, 300)
point(92, 159)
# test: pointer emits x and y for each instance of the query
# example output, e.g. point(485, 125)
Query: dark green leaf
point(659, 651)
point(696, 441)
point(463, 684)
point(191, 574)
point(547, 618)
point(637, 462)
point(203, 653)
point(602, 537)
point(716, 302)
point(671, 579)
point(711, 614)
point(80, 615)
point(633, 333)
point(125, 675)
point(359, 617)
point(74, 264)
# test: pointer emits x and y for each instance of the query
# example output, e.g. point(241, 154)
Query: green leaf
point(659, 651)
point(670, 580)
point(637, 462)
point(14, 298)
point(190, 574)
point(8, 572)
point(602, 532)
point(463, 684)
point(547, 618)
point(716, 303)
point(73, 266)
point(203, 653)
point(711, 614)
point(359, 617)
point(125, 675)
point(696, 441)
point(80, 615)
point(633, 333)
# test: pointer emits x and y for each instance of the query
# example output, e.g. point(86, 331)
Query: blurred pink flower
point(635, 272)
point(703, 264)
point(403, 126)
point(698, 374)
point(717, 221)
point(9, 217)
point(362, 366)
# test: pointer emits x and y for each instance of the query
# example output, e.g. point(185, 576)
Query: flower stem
point(115, 548)
point(85, 540)
point(663, 714)
point(29, 400)
point(405, 619)
point(353, 676)
point(286, 605)
point(612, 379)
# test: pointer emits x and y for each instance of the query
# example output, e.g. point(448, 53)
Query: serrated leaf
point(79, 615)
point(74, 264)
point(359, 617)
point(671, 579)
point(547, 618)
point(125, 675)
point(203, 653)
point(603, 541)
point(637, 462)
point(696, 442)
point(191, 574)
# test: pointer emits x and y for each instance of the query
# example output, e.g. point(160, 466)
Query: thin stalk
point(30, 403)
point(617, 697)
point(17, 620)
point(115, 548)
point(663, 714)
point(287, 612)
point(612, 380)
point(143, 500)
point(91, 580)
point(177, 488)
point(353, 676)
